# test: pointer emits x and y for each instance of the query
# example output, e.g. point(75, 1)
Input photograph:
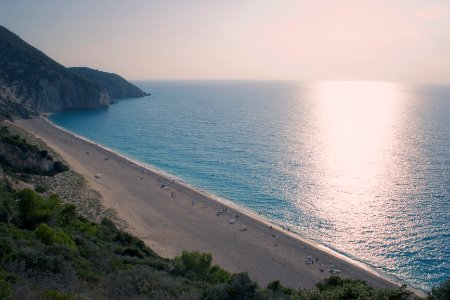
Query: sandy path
point(171, 224)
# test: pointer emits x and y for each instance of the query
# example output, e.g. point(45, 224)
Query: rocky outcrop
point(12, 155)
point(31, 82)
point(17, 155)
point(116, 86)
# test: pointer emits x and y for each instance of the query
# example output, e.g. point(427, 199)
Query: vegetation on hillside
point(48, 251)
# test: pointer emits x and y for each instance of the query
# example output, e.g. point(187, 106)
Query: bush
point(36, 259)
point(43, 153)
point(242, 287)
point(55, 295)
point(69, 215)
point(33, 209)
point(40, 189)
point(197, 265)
point(50, 236)
point(278, 290)
point(192, 262)
point(6, 248)
point(5, 289)
point(132, 251)
point(59, 167)
point(217, 275)
point(335, 287)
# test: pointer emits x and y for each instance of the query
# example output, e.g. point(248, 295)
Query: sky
point(383, 40)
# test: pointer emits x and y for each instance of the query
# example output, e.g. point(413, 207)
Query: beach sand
point(177, 217)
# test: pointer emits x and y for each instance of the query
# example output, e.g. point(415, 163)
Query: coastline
point(178, 224)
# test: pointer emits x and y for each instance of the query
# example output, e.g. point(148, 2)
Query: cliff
point(116, 86)
point(31, 82)
point(17, 155)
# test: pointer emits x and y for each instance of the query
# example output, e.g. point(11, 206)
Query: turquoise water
point(362, 167)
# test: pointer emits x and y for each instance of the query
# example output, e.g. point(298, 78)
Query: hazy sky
point(393, 40)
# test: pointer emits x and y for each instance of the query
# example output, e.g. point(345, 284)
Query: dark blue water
point(362, 167)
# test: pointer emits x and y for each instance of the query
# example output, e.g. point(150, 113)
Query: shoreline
point(353, 267)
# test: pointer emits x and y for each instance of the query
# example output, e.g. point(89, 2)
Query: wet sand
point(176, 217)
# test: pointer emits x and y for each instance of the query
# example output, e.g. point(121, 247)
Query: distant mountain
point(116, 86)
point(31, 82)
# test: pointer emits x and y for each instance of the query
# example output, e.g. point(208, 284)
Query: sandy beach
point(170, 217)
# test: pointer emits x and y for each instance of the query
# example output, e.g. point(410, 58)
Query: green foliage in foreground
point(48, 252)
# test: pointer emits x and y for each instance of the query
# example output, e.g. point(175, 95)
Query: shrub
point(36, 259)
point(5, 289)
point(55, 295)
point(40, 189)
point(335, 287)
point(197, 265)
point(50, 236)
point(69, 215)
point(33, 209)
point(30, 209)
point(59, 167)
point(4, 214)
point(132, 251)
point(239, 286)
point(195, 262)
point(43, 153)
point(217, 275)
point(6, 248)
point(278, 289)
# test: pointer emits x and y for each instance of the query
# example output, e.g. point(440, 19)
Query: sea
point(360, 167)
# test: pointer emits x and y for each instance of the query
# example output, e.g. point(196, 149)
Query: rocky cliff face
point(31, 82)
point(17, 155)
point(12, 155)
point(116, 86)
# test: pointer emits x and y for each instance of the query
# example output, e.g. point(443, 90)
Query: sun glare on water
point(356, 134)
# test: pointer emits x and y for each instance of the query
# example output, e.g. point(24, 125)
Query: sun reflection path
point(357, 124)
